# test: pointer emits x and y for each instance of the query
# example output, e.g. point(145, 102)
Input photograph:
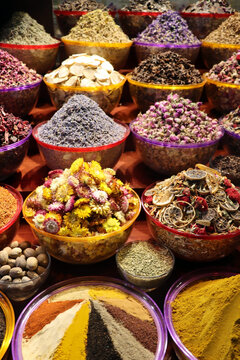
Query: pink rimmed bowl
point(189, 246)
point(59, 157)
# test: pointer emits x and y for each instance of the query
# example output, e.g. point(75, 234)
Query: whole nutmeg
point(14, 244)
point(32, 263)
point(6, 278)
point(15, 272)
point(11, 262)
point(15, 252)
point(3, 257)
point(4, 270)
point(7, 249)
point(40, 270)
point(40, 250)
point(21, 262)
point(32, 274)
point(42, 260)
point(24, 245)
point(29, 252)
point(17, 280)
point(25, 278)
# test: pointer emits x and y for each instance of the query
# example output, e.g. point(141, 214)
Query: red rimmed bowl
point(8, 232)
point(188, 246)
point(180, 285)
point(41, 58)
point(20, 100)
point(58, 157)
point(11, 156)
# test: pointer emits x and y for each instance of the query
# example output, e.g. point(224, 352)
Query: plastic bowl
point(8, 311)
point(115, 53)
point(134, 22)
point(233, 142)
point(107, 97)
point(83, 250)
point(11, 156)
point(169, 158)
point(85, 283)
point(143, 50)
point(213, 53)
point(39, 57)
point(68, 19)
point(180, 285)
point(144, 94)
point(223, 97)
point(20, 100)
point(8, 232)
point(188, 246)
point(146, 283)
point(203, 24)
point(58, 157)
point(25, 290)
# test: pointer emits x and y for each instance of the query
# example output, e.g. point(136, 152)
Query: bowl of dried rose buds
point(169, 137)
point(194, 213)
point(89, 75)
point(83, 214)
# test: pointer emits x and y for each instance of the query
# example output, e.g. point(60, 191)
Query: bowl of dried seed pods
point(195, 214)
point(23, 269)
point(89, 75)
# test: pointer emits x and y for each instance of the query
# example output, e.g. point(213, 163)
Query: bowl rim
point(205, 15)
point(140, 277)
point(85, 88)
point(16, 144)
point(220, 45)
point(183, 233)
point(79, 12)
point(231, 133)
point(220, 83)
point(85, 149)
point(30, 47)
point(164, 86)
point(180, 285)
point(141, 296)
point(139, 13)
point(175, 145)
point(97, 44)
point(9, 314)
point(23, 87)
point(19, 199)
point(168, 45)
point(73, 239)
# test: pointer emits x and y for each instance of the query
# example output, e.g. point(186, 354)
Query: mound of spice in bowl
point(210, 7)
point(231, 121)
point(228, 166)
point(228, 32)
point(148, 5)
point(22, 29)
point(80, 5)
point(226, 71)
point(8, 206)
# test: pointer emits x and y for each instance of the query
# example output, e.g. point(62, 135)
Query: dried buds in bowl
point(227, 71)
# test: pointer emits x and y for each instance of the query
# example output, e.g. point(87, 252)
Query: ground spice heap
point(2, 326)
point(167, 68)
point(228, 32)
point(169, 27)
point(227, 71)
point(84, 123)
point(80, 5)
point(8, 206)
point(14, 73)
point(148, 5)
point(206, 317)
point(195, 201)
point(22, 29)
point(12, 128)
point(97, 26)
point(177, 120)
point(82, 323)
point(210, 7)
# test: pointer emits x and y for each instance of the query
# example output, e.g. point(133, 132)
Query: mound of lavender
point(80, 123)
point(177, 120)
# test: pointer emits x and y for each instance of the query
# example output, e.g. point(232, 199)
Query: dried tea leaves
point(80, 5)
point(210, 7)
point(228, 32)
point(148, 5)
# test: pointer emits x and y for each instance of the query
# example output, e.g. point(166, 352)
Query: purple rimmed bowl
point(11, 156)
point(20, 100)
point(233, 141)
point(169, 158)
point(180, 285)
point(143, 50)
point(108, 282)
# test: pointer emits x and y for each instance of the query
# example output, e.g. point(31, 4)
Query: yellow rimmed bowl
point(213, 53)
point(143, 50)
point(41, 58)
point(107, 97)
point(8, 312)
point(202, 24)
point(224, 97)
point(144, 94)
point(115, 53)
point(83, 250)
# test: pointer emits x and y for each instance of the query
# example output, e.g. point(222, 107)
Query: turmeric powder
point(206, 317)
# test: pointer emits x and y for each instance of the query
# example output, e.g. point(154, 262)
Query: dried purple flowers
point(227, 71)
point(14, 73)
point(177, 120)
point(167, 68)
point(12, 128)
point(169, 27)
point(231, 121)
point(210, 7)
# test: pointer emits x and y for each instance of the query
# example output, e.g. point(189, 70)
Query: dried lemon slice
point(171, 214)
point(195, 174)
point(229, 205)
point(212, 182)
point(163, 198)
point(207, 169)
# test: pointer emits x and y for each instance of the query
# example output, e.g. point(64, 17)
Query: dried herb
point(148, 5)
point(210, 7)
point(228, 32)
point(80, 5)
